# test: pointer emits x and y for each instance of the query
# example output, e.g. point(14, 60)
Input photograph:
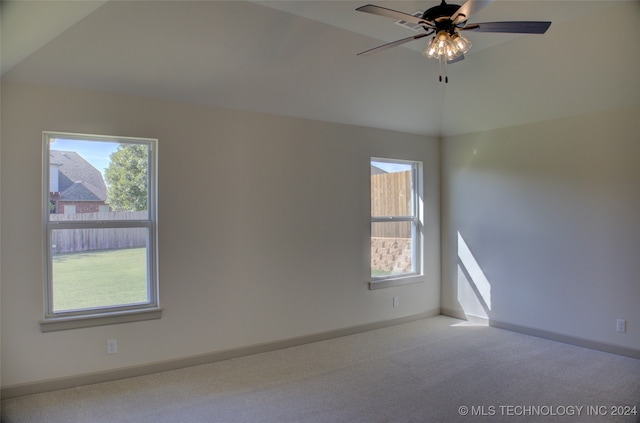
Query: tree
point(126, 178)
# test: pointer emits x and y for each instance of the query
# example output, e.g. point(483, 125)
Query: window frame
point(417, 228)
point(102, 315)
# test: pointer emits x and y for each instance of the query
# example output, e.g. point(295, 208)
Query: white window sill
point(390, 282)
point(75, 322)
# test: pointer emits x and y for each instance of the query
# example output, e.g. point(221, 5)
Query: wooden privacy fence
point(391, 196)
point(90, 239)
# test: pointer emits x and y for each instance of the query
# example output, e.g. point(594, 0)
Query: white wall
point(263, 230)
point(543, 219)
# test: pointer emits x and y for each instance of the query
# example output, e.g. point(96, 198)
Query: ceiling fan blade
point(516, 27)
point(393, 14)
point(468, 9)
point(392, 44)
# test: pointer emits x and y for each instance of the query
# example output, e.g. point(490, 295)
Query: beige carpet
point(432, 370)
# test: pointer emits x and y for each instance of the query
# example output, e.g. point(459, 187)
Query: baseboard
point(568, 339)
point(456, 314)
point(127, 372)
point(544, 334)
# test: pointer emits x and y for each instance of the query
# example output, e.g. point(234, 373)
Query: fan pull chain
point(440, 60)
point(446, 77)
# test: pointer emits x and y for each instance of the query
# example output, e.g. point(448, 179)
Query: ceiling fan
point(448, 45)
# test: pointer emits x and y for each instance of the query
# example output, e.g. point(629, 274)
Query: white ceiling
point(298, 58)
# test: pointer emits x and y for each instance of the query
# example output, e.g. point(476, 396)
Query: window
point(99, 230)
point(395, 221)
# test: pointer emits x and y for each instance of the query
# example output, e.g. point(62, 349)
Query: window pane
point(99, 223)
point(391, 249)
point(391, 189)
point(94, 268)
point(92, 180)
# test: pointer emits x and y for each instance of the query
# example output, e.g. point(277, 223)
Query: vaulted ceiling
point(298, 58)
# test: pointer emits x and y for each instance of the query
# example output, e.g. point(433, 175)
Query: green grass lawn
point(99, 279)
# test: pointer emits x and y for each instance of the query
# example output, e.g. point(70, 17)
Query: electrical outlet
point(396, 301)
point(112, 346)
point(621, 325)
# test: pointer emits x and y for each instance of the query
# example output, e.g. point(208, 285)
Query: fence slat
point(391, 195)
point(78, 240)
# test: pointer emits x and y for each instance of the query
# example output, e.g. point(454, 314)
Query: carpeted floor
point(434, 370)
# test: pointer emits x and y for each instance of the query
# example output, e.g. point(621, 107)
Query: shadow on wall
point(474, 289)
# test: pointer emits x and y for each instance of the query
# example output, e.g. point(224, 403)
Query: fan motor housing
point(440, 15)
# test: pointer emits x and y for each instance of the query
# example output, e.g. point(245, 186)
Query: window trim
point(97, 316)
point(417, 227)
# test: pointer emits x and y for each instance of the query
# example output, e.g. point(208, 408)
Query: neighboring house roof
point(375, 170)
point(78, 180)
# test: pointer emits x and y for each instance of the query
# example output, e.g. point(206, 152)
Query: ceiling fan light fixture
point(461, 42)
point(442, 46)
point(431, 49)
